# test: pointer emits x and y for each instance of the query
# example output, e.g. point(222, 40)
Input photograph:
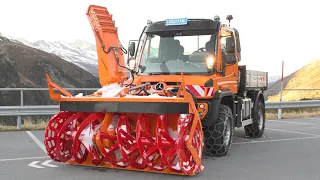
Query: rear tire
point(218, 136)
point(256, 129)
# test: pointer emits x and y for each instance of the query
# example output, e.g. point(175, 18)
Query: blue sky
point(270, 31)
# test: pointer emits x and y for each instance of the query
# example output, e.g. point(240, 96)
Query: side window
point(238, 43)
point(228, 50)
point(223, 45)
point(231, 51)
point(154, 47)
point(151, 50)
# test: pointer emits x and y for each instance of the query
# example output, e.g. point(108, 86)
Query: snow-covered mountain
point(273, 79)
point(79, 52)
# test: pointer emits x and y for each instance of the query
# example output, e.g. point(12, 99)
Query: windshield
point(171, 55)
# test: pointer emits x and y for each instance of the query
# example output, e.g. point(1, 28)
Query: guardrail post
point(280, 109)
point(279, 113)
point(19, 122)
point(21, 104)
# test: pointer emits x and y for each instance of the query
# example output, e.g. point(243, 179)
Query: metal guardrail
point(42, 89)
point(48, 110)
point(25, 110)
point(53, 109)
point(28, 110)
point(293, 104)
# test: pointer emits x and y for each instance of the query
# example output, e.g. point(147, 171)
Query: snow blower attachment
point(120, 125)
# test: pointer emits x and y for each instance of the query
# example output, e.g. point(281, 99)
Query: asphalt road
point(288, 150)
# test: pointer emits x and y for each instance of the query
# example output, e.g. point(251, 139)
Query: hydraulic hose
point(118, 61)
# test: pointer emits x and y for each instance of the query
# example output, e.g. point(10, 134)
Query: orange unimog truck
point(181, 90)
point(227, 95)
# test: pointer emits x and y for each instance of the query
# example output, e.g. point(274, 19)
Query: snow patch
point(158, 167)
point(187, 168)
point(81, 53)
point(110, 127)
point(151, 96)
point(186, 138)
point(124, 127)
point(111, 90)
point(87, 135)
point(107, 150)
point(186, 163)
point(173, 134)
point(79, 95)
point(183, 115)
point(177, 167)
point(139, 160)
point(120, 164)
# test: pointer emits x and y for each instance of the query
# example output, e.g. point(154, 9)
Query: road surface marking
point(313, 118)
point(36, 140)
point(17, 159)
point(291, 122)
point(317, 135)
point(249, 140)
point(276, 140)
point(45, 163)
point(33, 164)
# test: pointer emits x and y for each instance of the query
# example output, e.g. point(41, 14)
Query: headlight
point(132, 64)
point(210, 62)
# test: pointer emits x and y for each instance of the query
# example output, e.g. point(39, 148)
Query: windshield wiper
point(178, 73)
point(167, 73)
point(162, 73)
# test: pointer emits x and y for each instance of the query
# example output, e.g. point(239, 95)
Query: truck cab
point(207, 52)
point(194, 48)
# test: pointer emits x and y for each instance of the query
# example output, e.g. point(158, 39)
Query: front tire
point(218, 136)
point(256, 129)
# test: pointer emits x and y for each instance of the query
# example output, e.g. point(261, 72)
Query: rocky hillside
point(274, 87)
point(273, 79)
point(307, 77)
point(79, 52)
point(24, 66)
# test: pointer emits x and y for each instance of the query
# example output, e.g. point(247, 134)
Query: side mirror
point(132, 48)
point(230, 45)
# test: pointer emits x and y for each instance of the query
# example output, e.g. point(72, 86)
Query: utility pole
point(281, 88)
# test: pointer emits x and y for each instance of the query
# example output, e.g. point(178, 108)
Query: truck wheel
point(218, 136)
point(256, 129)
